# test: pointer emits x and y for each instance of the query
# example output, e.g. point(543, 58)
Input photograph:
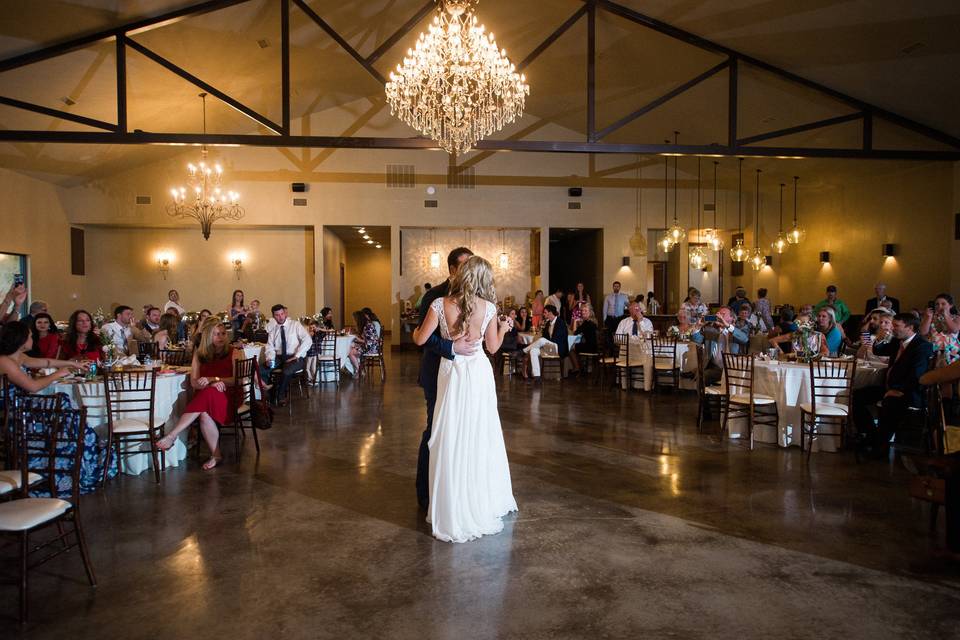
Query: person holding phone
point(15, 296)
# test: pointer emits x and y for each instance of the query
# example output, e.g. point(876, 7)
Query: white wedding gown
point(470, 487)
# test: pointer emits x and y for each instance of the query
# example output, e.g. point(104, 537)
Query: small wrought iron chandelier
point(739, 252)
point(757, 259)
point(698, 257)
point(782, 243)
point(638, 241)
point(797, 234)
point(209, 202)
point(456, 86)
point(712, 234)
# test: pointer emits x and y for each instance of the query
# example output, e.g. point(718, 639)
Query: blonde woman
point(470, 486)
point(212, 381)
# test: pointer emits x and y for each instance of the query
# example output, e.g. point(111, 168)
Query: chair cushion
point(544, 356)
point(758, 398)
point(130, 425)
point(826, 408)
point(244, 408)
point(608, 360)
point(665, 366)
point(20, 515)
point(10, 479)
point(713, 391)
point(327, 358)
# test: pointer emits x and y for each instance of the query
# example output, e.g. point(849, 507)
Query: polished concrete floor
point(630, 525)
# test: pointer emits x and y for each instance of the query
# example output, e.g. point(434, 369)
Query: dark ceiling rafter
point(119, 134)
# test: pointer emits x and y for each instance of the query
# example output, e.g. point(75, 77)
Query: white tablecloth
point(789, 384)
point(342, 350)
point(170, 399)
point(640, 355)
point(527, 338)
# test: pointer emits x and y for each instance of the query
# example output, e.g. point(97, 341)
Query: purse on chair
point(261, 413)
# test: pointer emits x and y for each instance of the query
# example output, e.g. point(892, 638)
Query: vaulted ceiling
point(900, 56)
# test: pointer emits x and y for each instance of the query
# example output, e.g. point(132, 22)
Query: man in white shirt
point(635, 324)
point(553, 341)
point(120, 331)
point(614, 308)
point(555, 298)
point(287, 345)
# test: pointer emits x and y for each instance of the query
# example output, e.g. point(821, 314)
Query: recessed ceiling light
point(369, 241)
point(379, 246)
point(366, 237)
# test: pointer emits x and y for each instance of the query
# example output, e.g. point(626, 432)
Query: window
point(11, 265)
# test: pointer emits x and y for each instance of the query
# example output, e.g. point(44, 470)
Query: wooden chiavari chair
point(710, 397)
point(742, 400)
point(371, 361)
point(626, 369)
point(131, 399)
point(831, 388)
point(665, 365)
point(176, 357)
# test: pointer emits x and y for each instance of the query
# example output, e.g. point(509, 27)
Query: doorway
point(576, 255)
point(359, 272)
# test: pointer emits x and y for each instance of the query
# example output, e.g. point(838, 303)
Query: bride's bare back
point(472, 327)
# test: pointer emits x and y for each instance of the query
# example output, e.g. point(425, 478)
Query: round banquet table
point(170, 399)
point(789, 384)
point(640, 355)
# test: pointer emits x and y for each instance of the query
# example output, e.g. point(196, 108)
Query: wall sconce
point(825, 256)
point(164, 258)
point(626, 261)
point(889, 250)
point(236, 259)
point(768, 260)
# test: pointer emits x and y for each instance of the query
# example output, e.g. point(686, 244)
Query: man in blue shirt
point(614, 309)
point(719, 337)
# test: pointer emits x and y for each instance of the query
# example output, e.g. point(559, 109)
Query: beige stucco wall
point(367, 280)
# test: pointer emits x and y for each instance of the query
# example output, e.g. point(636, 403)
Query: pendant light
point(666, 242)
point(698, 257)
point(782, 243)
point(435, 256)
point(504, 258)
point(756, 258)
point(638, 241)
point(798, 233)
point(739, 253)
point(676, 232)
point(713, 237)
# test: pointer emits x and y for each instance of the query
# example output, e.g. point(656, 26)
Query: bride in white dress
point(470, 488)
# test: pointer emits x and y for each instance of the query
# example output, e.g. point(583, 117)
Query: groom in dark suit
point(435, 349)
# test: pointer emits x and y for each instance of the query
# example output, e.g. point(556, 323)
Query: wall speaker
point(575, 192)
point(299, 187)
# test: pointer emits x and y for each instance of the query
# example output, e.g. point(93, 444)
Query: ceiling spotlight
point(379, 246)
point(366, 237)
point(369, 241)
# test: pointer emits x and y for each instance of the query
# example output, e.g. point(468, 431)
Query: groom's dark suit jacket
point(436, 347)
point(559, 337)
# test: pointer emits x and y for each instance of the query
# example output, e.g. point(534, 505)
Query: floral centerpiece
point(807, 342)
point(110, 354)
point(99, 317)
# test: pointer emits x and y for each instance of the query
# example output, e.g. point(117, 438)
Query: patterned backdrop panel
point(418, 244)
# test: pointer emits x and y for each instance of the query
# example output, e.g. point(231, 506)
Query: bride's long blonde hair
point(473, 282)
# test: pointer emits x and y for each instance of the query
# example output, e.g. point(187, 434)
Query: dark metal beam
point(650, 106)
point(387, 44)
point(591, 72)
point(339, 40)
point(800, 128)
point(733, 102)
point(536, 146)
point(100, 36)
point(189, 77)
point(57, 113)
point(285, 66)
point(121, 56)
point(703, 43)
point(867, 131)
point(549, 40)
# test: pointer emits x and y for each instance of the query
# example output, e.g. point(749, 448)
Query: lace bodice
point(489, 311)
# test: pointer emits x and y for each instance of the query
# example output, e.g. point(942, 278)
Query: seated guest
point(878, 338)
point(694, 307)
point(684, 328)
point(46, 337)
point(253, 321)
point(787, 325)
point(81, 341)
point(287, 345)
point(15, 342)
point(326, 318)
point(804, 329)
point(878, 301)
point(173, 302)
point(553, 340)
point(941, 326)
point(841, 312)
point(739, 298)
point(371, 317)
point(718, 337)
point(510, 340)
point(805, 310)
point(536, 309)
point(36, 308)
point(523, 321)
point(315, 331)
point(12, 301)
point(169, 329)
point(634, 324)
point(149, 326)
point(119, 332)
point(833, 334)
point(587, 330)
point(909, 356)
point(211, 378)
point(746, 320)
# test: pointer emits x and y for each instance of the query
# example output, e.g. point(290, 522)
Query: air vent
point(461, 178)
point(430, 204)
point(144, 200)
point(68, 101)
point(573, 205)
point(401, 176)
point(709, 206)
point(299, 202)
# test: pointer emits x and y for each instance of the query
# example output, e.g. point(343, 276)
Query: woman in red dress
point(80, 341)
point(212, 381)
point(46, 337)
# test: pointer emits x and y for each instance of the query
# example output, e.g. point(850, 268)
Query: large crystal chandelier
point(207, 202)
point(456, 86)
